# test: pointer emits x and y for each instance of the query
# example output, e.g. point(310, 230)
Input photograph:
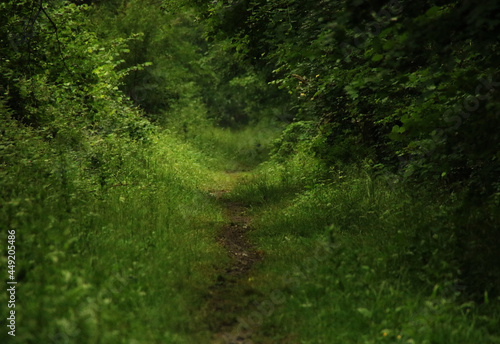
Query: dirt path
point(230, 296)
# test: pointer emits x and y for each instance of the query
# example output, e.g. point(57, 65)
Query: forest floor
point(230, 298)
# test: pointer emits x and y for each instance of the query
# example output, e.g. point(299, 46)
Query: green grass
point(237, 149)
point(358, 261)
point(230, 149)
point(347, 257)
point(130, 263)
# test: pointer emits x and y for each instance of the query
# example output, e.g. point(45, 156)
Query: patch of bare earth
point(230, 296)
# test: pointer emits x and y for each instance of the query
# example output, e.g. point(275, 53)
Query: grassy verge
point(355, 260)
point(126, 263)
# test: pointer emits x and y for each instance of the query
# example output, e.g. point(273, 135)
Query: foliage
point(358, 260)
point(143, 246)
point(107, 211)
point(408, 88)
point(406, 82)
point(183, 65)
point(380, 120)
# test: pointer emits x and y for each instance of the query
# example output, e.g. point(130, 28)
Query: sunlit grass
point(237, 149)
point(129, 264)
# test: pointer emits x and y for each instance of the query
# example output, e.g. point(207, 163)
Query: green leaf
point(398, 130)
point(365, 312)
point(432, 11)
point(389, 45)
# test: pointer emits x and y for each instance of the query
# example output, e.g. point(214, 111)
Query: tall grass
point(126, 263)
point(359, 261)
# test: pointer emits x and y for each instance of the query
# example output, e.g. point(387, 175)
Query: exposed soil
point(230, 296)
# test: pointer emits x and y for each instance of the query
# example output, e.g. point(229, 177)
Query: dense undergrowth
point(120, 263)
point(113, 224)
point(359, 259)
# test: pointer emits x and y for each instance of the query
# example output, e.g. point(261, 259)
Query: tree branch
point(57, 35)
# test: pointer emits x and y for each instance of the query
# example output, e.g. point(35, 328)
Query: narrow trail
point(231, 295)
